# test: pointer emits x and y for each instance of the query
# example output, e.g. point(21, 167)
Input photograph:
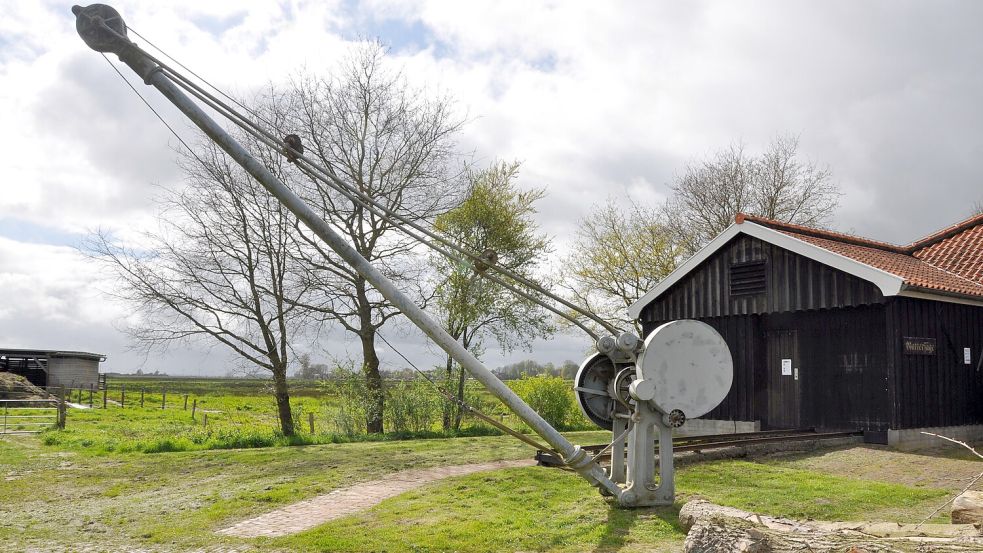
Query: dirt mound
point(14, 386)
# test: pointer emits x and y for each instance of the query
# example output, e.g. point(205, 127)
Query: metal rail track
point(718, 441)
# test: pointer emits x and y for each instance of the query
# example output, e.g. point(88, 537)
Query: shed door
point(784, 380)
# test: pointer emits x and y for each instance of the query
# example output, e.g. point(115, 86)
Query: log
point(713, 528)
point(968, 508)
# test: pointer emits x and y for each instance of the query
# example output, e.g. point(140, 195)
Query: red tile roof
point(949, 261)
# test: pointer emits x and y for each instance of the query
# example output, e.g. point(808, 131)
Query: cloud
point(600, 100)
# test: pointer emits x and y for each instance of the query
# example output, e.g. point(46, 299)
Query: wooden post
point(105, 390)
point(185, 402)
point(90, 394)
point(80, 396)
point(310, 420)
point(142, 391)
point(163, 399)
point(61, 408)
point(204, 419)
point(194, 407)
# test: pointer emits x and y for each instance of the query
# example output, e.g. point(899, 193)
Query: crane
point(639, 389)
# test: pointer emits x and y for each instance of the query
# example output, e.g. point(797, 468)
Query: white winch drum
point(691, 366)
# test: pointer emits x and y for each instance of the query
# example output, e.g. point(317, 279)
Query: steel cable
point(357, 196)
point(329, 178)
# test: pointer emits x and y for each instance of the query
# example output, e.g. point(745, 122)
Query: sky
point(599, 100)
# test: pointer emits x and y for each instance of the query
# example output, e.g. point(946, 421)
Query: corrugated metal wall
point(940, 389)
point(793, 283)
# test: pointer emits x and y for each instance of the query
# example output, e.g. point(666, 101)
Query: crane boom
point(103, 30)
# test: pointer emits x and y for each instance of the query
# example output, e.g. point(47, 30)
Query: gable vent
point(747, 278)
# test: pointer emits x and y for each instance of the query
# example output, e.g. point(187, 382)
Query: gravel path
point(345, 501)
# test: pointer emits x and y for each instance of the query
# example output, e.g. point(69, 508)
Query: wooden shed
point(835, 331)
point(73, 369)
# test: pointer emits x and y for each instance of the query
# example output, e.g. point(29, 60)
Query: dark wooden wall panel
point(741, 335)
point(794, 283)
point(842, 362)
point(940, 389)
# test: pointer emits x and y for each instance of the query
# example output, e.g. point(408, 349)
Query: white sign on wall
point(786, 367)
point(967, 356)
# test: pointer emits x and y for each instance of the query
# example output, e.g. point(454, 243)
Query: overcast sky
point(598, 99)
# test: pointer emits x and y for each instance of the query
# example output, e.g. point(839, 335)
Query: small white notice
point(796, 373)
point(967, 356)
point(786, 367)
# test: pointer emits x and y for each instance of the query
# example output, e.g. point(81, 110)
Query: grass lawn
point(233, 421)
point(55, 498)
point(240, 414)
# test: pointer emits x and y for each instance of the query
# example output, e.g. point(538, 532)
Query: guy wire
point(334, 182)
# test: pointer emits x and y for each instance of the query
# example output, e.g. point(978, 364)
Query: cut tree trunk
point(714, 529)
point(968, 508)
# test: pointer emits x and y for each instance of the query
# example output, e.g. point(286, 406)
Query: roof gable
point(947, 263)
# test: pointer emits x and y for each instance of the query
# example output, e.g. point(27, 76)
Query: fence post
point(185, 402)
point(310, 419)
point(80, 395)
point(163, 399)
point(61, 408)
point(122, 395)
point(204, 419)
point(142, 391)
point(104, 392)
point(194, 407)
point(90, 394)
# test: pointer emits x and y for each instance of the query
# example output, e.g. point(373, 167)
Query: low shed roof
point(946, 265)
point(32, 353)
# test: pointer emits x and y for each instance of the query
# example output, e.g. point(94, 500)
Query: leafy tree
point(616, 258)
point(777, 184)
point(311, 371)
point(494, 215)
point(568, 370)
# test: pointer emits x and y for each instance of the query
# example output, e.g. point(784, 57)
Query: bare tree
point(617, 257)
point(777, 184)
point(219, 269)
point(370, 129)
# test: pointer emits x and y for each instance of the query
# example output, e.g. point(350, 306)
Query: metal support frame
point(99, 36)
point(642, 489)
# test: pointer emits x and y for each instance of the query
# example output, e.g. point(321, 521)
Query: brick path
point(345, 501)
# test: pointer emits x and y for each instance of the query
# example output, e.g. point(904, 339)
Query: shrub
point(352, 397)
point(550, 396)
point(412, 406)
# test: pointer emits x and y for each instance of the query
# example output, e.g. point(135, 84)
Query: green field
point(222, 413)
point(109, 481)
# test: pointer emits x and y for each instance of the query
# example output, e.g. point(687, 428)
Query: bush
point(550, 396)
point(352, 396)
point(412, 406)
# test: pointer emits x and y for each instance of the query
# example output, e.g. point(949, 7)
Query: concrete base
point(912, 438)
point(698, 427)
